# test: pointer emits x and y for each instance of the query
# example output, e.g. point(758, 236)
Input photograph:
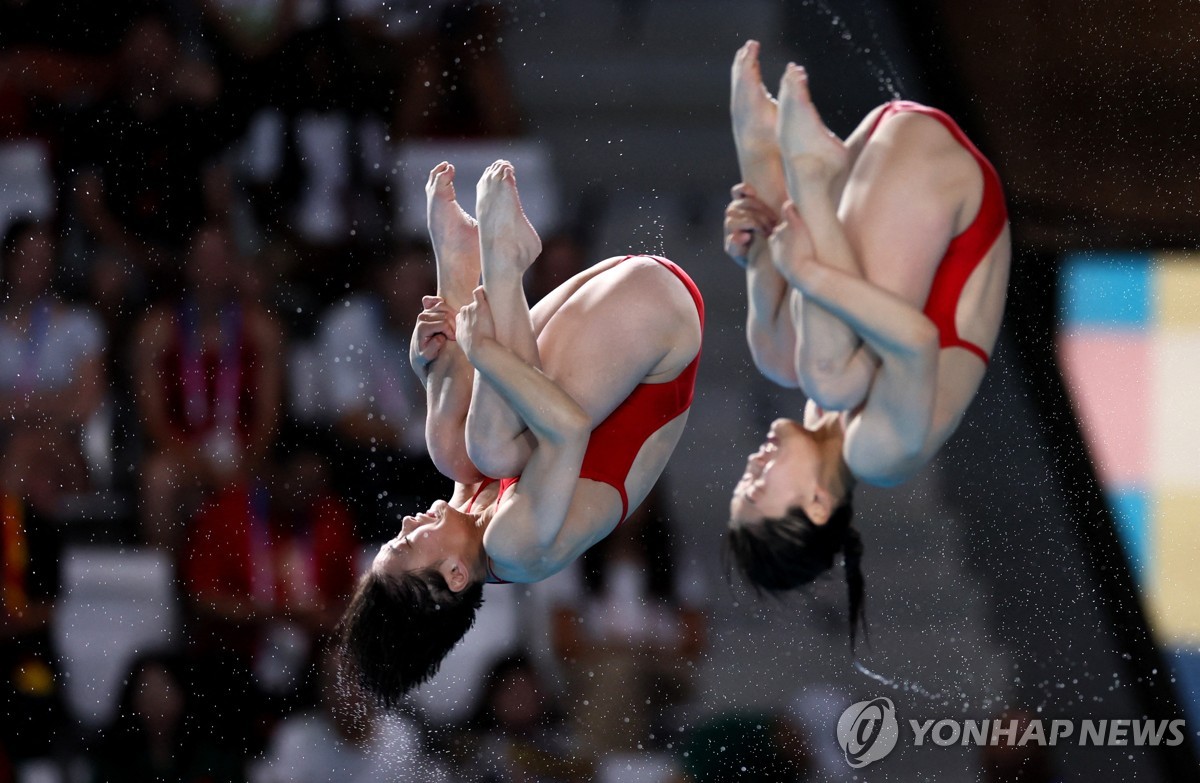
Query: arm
point(447, 376)
point(769, 329)
point(886, 441)
point(532, 522)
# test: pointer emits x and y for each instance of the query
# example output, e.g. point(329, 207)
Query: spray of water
point(885, 74)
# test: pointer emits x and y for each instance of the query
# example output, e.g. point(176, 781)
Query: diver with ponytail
point(876, 275)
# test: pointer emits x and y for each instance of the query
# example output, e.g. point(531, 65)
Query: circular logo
point(867, 731)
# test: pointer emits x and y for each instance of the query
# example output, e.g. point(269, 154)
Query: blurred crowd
point(206, 297)
point(205, 304)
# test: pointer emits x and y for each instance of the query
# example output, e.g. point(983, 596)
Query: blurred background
point(213, 253)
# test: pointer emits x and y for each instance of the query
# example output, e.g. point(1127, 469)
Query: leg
point(497, 438)
point(769, 328)
point(754, 114)
point(455, 238)
point(832, 364)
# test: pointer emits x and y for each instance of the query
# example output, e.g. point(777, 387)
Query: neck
point(479, 569)
point(831, 437)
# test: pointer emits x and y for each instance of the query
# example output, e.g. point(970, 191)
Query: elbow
point(567, 424)
point(575, 424)
point(921, 336)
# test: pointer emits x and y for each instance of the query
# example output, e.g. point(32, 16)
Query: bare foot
point(751, 106)
point(812, 155)
point(509, 242)
point(455, 238)
point(792, 247)
point(755, 120)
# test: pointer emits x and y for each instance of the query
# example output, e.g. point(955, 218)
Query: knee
point(494, 453)
point(495, 458)
point(833, 389)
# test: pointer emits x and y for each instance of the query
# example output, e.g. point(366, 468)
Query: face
point(439, 538)
point(784, 473)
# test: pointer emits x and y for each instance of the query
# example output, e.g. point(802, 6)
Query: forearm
point(888, 324)
point(547, 410)
point(769, 329)
point(448, 381)
point(827, 343)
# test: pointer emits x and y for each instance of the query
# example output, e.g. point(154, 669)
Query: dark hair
point(397, 630)
point(782, 554)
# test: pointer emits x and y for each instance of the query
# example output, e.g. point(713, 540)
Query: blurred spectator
point(51, 372)
point(147, 149)
point(458, 86)
point(1011, 762)
point(117, 291)
point(56, 53)
point(516, 733)
point(31, 710)
point(747, 748)
point(155, 736)
point(209, 378)
point(346, 739)
point(627, 624)
point(316, 160)
point(246, 39)
point(373, 399)
point(269, 566)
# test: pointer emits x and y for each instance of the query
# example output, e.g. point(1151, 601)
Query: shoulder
point(877, 454)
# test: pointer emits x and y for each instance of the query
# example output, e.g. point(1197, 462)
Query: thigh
point(633, 322)
point(550, 304)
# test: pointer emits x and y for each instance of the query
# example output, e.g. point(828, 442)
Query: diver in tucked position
point(876, 272)
point(574, 408)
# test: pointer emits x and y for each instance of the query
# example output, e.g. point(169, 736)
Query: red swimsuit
point(616, 441)
point(967, 250)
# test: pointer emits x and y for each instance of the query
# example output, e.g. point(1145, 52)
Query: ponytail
point(852, 550)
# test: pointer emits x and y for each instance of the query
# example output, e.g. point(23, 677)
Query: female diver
point(876, 272)
point(575, 407)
